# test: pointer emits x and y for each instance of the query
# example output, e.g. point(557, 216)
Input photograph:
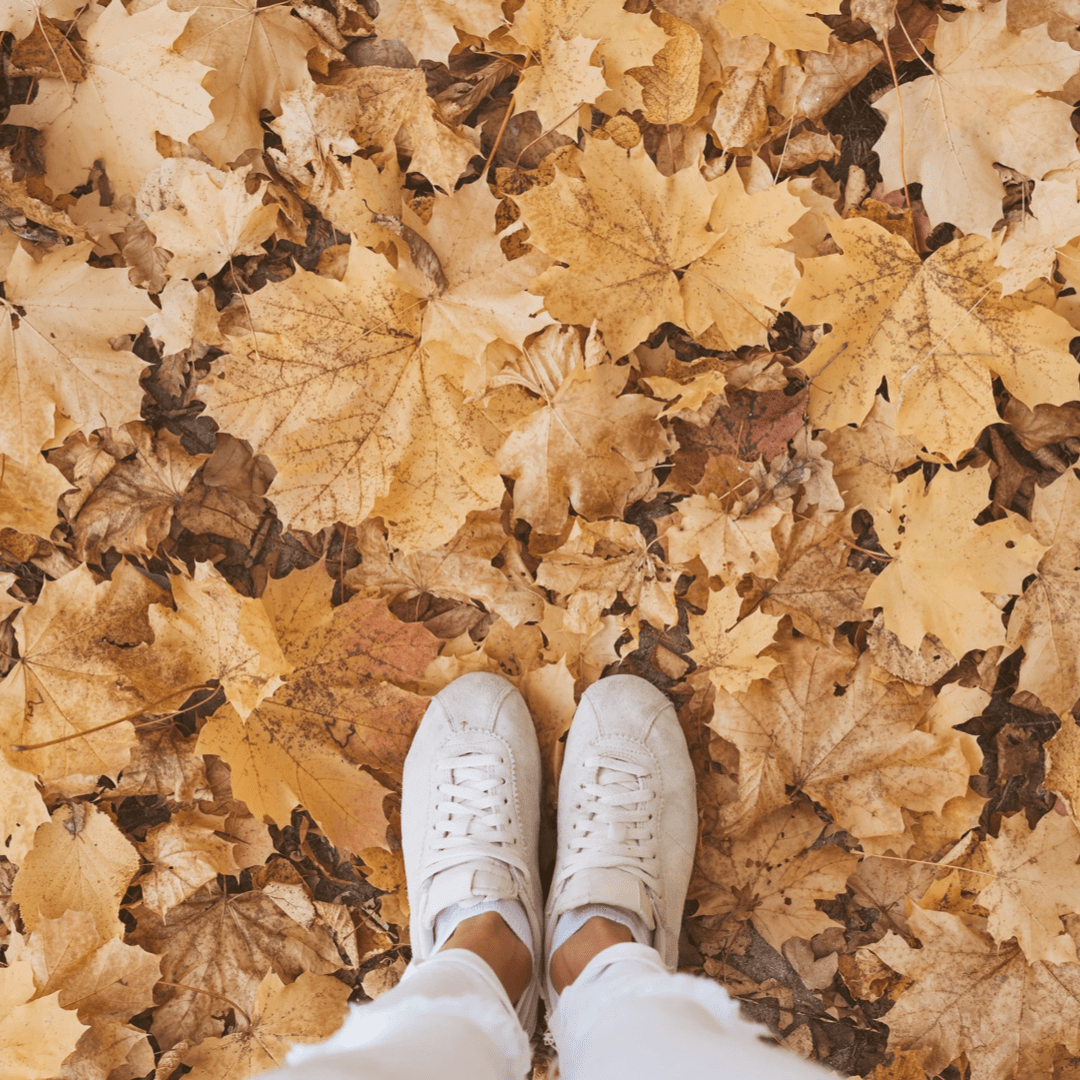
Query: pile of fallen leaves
point(348, 348)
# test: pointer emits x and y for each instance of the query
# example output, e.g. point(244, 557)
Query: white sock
point(571, 922)
point(512, 911)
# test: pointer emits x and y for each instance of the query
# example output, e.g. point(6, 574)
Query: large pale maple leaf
point(982, 101)
point(56, 356)
point(938, 331)
point(135, 85)
point(969, 995)
point(623, 231)
point(828, 724)
point(328, 379)
point(944, 565)
point(257, 53)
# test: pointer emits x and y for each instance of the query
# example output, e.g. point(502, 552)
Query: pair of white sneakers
point(627, 816)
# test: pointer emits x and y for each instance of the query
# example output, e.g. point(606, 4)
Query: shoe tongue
point(607, 885)
point(470, 882)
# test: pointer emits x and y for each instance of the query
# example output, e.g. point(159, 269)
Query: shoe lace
point(618, 829)
point(473, 816)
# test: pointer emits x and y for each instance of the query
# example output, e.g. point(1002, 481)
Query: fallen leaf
point(727, 650)
point(1036, 881)
point(980, 102)
point(224, 946)
point(308, 1010)
point(972, 996)
point(35, 1036)
point(185, 853)
point(622, 277)
point(943, 565)
point(80, 860)
point(1040, 620)
point(135, 85)
point(936, 330)
point(588, 446)
point(770, 877)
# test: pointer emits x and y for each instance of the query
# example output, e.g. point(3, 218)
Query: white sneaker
point(470, 812)
point(627, 814)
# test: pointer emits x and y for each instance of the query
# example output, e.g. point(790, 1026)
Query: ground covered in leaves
point(348, 348)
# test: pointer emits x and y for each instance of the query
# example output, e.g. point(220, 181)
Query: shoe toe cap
point(474, 702)
point(627, 706)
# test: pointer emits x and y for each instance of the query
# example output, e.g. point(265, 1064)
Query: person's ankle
point(570, 959)
point(488, 935)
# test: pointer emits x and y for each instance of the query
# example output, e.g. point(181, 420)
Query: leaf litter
point(729, 344)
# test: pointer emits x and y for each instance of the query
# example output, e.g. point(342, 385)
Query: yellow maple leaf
point(970, 995)
point(740, 283)
point(587, 446)
point(827, 724)
point(937, 330)
point(1037, 879)
point(79, 860)
point(623, 231)
point(98, 977)
point(944, 565)
point(56, 354)
point(204, 216)
point(770, 876)
point(72, 677)
point(35, 1036)
point(351, 407)
point(1041, 620)
point(670, 83)
point(135, 85)
point(481, 297)
point(981, 102)
point(726, 648)
point(257, 53)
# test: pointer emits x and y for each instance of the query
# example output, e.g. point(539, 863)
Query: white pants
point(624, 1018)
